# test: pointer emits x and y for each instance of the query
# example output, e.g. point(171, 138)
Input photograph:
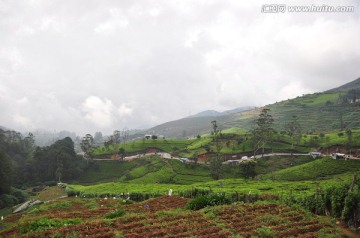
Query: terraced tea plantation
point(163, 217)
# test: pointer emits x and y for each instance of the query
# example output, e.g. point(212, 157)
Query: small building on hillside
point(203, 158)
point(115, 156)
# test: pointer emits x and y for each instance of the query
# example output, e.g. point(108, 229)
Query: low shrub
point(117, 213)
point(265, 232)
point(126, 201)
point(44, 223)
point(19, 194)
point(208, 200)
point(8, 200)
point(58, 205)
point(71, 192)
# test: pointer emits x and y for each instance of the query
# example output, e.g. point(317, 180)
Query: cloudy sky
point(91, 65)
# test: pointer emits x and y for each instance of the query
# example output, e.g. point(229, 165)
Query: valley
point(289, 169)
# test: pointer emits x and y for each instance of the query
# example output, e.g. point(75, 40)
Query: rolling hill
point(335, 109)
point(351, 85)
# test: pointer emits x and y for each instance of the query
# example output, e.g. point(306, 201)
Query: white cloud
point(99, 111)
point(23, 121)
point(116, 20)
point(125, 110)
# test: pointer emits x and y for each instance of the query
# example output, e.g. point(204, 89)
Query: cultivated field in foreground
point(164, 217)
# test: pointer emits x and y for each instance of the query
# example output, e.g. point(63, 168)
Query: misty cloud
point(89, 66)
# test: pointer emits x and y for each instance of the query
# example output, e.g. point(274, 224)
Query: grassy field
point(140, 145)
point(156, 170)
point(145, 170)
point(278, 175)
point(229, 186)
point(317, 169)
point(106, 171)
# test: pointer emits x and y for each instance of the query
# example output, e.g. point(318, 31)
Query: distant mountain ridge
point(217, 113)
point(351, 85)
point(206, 113)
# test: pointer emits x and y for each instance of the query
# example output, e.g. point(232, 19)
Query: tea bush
point(117, 213)
point(208, 200)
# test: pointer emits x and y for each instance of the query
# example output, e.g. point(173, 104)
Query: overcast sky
point(87, 66)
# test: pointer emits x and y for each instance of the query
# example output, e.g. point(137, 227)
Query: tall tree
point(293, 129)
point(349, 138)
point(263, 131)
point(5, 173)
point(216, 162)
point(116, 137)
point(86, 144)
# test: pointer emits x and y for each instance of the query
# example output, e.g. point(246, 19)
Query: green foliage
point(265, 232)
point(263, 131)
point(71, 192)
point(58, 205)
point(45, 223)
point(14, 197)
point(293, 129)
point(21, 195)
point(317, 169)
point(106, 171)
point(117, 213)
point(216, 161)
point(140, 146)
point(338, 199)
point(208, 200)
point(268, 165)
point(247, 169)
point(8, 200)
point(57, 161)
point(126, 201)
point(146, 170)
point(5, 173)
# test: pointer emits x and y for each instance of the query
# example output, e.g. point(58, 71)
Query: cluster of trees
point(351, 96)
point(56, 162)
point(262, 135)
point(117, 136)
point(23, 164)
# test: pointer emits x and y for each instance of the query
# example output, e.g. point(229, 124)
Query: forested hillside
point(22, 164)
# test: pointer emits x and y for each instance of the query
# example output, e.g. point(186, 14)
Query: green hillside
point(336, 109)
point(153, 170)
point(146, 171)
point(140, 146)
point(315, 170)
